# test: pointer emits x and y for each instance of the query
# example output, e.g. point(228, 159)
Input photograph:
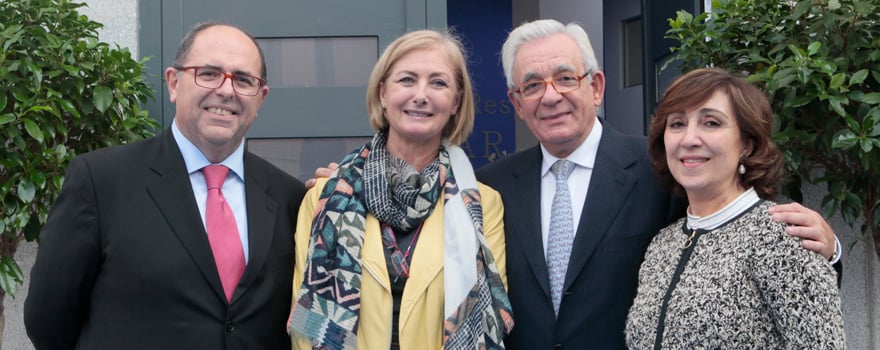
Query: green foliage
point(819, 63)
point(10, 275)
point(62, 93)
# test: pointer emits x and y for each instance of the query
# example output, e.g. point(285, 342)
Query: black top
point(406, 242)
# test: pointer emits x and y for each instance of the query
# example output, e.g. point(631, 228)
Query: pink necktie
point(222, 232)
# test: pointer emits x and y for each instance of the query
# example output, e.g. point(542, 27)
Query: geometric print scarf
point(476, 308)
point(394, 192)
point(327, 307)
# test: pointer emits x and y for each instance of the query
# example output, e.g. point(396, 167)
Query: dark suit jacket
point(625, 207)
point(124, 260)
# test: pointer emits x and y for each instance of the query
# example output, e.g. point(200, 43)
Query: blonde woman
point(401, 248)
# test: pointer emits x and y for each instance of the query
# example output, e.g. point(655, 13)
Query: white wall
point(860, 289)
point(120, 20)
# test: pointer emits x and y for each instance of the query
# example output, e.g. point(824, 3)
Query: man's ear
point(514, 100)
point(598, 84)
point(172, 77)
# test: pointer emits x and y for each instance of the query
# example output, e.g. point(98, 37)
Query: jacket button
point(230, 327)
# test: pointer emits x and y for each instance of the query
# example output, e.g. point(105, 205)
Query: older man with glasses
point(580, 208)
point(182, 241)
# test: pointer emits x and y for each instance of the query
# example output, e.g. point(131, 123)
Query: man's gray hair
point(540, 29)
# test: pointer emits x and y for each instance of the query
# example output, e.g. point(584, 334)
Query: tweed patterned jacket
point(745, 285)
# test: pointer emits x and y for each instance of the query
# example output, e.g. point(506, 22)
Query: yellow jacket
point(421, 308)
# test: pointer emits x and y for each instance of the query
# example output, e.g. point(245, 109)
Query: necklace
point(690, 239)
point(399, 260)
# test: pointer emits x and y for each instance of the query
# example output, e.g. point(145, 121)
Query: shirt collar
point(195, 160)
point(739, 205)
point(583, 156)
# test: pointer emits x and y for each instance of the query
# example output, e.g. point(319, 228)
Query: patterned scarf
point(477, 310)
point(396, 193)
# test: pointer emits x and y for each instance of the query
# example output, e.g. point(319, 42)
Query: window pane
point(300, 157)
point(632, 52)
point(320, 62)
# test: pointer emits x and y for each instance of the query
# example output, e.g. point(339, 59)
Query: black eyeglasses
point(212, 78)
point(562, 83)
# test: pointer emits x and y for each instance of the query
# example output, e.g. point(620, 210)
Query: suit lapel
point(173, 195)
point(609, 187)
point(523, 203)
point(426, 260)
point(373, 254)
point(424, 266)
point(261, 211)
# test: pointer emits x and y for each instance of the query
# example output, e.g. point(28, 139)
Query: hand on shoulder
point(808, 225)
point(320, 173)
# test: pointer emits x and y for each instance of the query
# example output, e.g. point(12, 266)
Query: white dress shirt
point(584, 157)
point(233, 186)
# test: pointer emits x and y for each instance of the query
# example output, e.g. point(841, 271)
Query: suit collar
point(171, 190)
point(196, 160)
point(611, 183)
point(524, 204)
point(584, 155)
point(262, 211)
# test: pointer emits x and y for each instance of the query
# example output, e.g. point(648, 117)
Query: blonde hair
point(462, 121)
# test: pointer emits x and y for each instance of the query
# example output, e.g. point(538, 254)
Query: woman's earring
point(742, 169)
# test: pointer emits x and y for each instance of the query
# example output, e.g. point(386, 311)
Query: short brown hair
point(461, 123)
point(754, 117)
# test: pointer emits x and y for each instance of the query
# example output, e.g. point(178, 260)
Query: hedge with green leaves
point(819, 63)
point(63, 92)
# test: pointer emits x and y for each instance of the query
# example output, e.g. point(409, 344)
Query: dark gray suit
point(124, 261)
point(625, 207)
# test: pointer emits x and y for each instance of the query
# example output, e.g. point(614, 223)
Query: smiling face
point(215, 120)
point(561, 122)
point(419, 95)
point(703, 150)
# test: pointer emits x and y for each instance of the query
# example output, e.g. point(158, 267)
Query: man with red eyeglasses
point(181, 241)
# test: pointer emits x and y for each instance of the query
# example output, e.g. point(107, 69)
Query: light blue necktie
point(561, 231)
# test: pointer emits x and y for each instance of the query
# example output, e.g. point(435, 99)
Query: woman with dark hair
point(727, 275)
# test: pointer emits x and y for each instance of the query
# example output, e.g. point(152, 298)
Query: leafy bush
point(62, 93)
point(819, 62)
